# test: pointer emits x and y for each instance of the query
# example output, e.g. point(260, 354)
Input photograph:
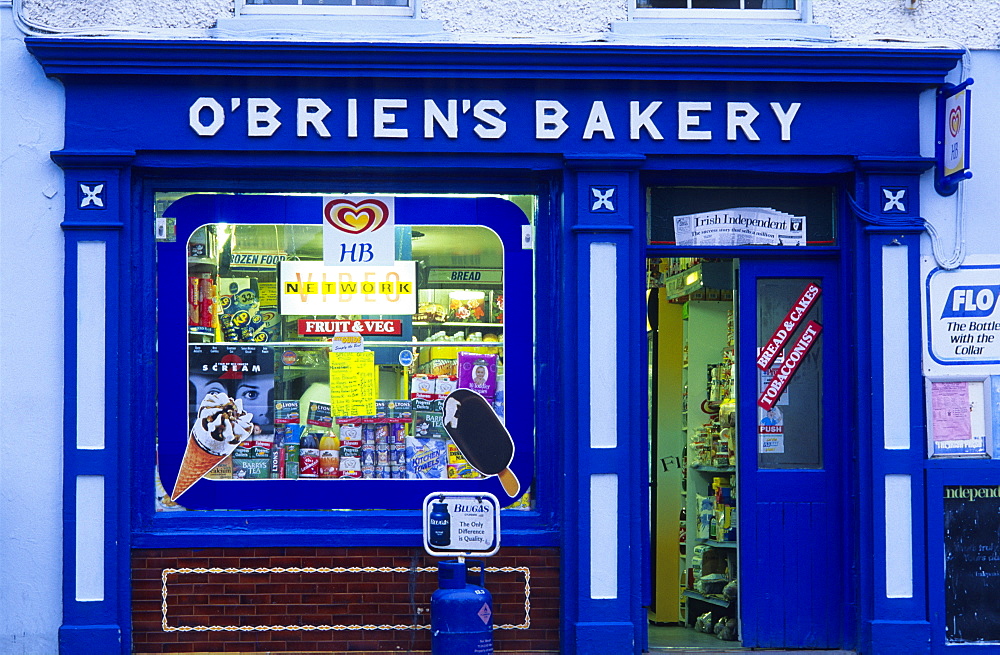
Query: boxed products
point(426, 458)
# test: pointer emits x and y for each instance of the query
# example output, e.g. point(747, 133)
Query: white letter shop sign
point(491, 119)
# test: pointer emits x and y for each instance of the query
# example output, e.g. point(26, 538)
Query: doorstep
point(684, 650)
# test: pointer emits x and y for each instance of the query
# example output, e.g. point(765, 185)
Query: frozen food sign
point(962, 321)
point(311, 288)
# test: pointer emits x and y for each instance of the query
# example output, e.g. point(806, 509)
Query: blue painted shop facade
point(589, 133)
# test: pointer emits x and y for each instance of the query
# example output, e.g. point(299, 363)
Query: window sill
point(721, 30)
point(272, 26)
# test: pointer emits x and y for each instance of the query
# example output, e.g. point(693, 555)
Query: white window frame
point(243, 8)
point(796, 14)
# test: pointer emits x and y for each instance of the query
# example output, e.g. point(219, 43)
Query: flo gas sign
point(971, 301)
point(962, 320)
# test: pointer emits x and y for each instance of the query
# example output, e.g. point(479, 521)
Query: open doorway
point(694, 485)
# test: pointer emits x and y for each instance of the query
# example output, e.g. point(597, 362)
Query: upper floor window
point(766, 9)
point(347, 7)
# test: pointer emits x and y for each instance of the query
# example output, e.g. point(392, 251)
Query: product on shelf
point(426, 458)
point(430, 313)
point(252, 459)
point(478, 372)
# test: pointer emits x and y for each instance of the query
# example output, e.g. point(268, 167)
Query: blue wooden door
point(792, 448)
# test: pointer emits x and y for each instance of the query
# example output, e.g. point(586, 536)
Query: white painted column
point(603, 418)
point(91, 332)
point(895, 419)
point(895, 347)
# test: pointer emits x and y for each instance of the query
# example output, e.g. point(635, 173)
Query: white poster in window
point(310, 288)
point(740, 226)
point(961, 316)
point(359, 230)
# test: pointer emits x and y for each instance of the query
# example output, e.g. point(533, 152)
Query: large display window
point(289, 381)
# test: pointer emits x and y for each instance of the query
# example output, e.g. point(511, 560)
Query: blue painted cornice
point(66, 57)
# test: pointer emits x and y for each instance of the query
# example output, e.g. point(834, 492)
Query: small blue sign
point(405, 357)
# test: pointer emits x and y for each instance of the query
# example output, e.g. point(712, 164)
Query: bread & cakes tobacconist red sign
point(327, 328)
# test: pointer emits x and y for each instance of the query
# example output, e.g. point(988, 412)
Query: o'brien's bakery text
point(388, 118)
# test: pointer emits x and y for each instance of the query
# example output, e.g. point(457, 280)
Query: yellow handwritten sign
point(352, 383)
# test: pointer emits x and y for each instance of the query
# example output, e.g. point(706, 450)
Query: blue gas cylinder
point(461, 613)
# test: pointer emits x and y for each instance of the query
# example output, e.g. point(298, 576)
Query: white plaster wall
point(521, 17)
point(128, 14)
point(982, 192)
point(974, 23)
point(31, 352)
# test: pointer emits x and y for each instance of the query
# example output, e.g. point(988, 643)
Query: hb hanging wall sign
point(952, 137)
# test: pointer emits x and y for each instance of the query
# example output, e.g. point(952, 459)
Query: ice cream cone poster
point(230, 394)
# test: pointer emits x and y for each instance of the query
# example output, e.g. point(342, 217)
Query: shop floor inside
point(680, 640)
point(673, 637)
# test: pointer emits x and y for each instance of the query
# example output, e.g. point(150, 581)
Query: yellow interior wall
point(670, 442)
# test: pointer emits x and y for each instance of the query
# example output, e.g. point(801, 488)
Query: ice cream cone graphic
point(219, 428)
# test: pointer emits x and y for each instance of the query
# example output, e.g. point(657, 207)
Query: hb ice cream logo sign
point(359, 231)
point(963, 326)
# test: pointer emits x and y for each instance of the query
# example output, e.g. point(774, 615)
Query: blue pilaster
point(95, 455)
point(891, 449)
point(605, 500)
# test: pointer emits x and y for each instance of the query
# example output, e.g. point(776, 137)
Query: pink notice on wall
point(952, 415)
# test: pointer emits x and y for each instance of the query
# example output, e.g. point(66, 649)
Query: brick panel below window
point(236, 610)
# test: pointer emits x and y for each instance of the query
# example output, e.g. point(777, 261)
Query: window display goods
point(311, 389)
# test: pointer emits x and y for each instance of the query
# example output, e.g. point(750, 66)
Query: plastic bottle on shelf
point(682, 533)
point(309, 456)
point(329, 456)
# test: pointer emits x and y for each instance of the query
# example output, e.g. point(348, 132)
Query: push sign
point(461, 523)
point(962, 314)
